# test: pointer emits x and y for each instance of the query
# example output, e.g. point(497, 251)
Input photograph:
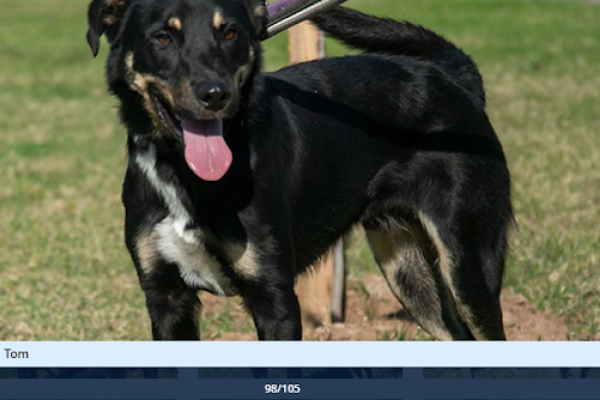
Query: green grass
point(64, 271)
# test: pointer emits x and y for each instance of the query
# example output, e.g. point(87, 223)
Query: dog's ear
point(104, 16)
point(258, 12)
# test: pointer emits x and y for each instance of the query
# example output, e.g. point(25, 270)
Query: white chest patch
point(197, 267)
point(179, 245)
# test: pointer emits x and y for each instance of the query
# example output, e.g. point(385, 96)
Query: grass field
point(64, 271)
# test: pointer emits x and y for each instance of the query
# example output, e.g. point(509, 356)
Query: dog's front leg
point(277, 314)
point(174, 308)
point(274, 306)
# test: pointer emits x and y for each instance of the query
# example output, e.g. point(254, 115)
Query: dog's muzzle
point(206, 152)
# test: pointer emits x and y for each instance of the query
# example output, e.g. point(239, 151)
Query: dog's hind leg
point(407, 258)
point(471, 260)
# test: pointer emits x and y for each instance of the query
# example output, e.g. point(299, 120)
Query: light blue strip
point(303, 354)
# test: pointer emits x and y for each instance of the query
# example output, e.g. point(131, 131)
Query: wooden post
point(306, 43)
point(315, 291)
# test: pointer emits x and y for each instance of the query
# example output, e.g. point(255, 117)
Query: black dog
point(239, 181)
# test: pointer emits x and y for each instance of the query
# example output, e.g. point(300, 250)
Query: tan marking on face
point(218, 20)
point(175, 23)
point(242, 75)
point(147, 251)
point(136, 81)
point(141, 83)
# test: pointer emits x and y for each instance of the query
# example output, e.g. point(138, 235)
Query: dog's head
point(184, 65)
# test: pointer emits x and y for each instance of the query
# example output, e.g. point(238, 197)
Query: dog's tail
point(388, 36)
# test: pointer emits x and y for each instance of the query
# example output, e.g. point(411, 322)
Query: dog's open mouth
point(206, 152)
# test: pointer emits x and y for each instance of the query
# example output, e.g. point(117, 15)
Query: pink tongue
point(206, 152)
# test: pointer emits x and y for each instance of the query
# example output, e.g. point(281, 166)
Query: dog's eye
point(164, 38)
point(229, 35)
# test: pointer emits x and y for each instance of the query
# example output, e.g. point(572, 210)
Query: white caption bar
point(304, 354)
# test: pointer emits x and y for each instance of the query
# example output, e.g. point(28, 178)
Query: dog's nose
point(214, 96)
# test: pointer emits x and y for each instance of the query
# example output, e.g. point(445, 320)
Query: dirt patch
point(372, 313)
point(524, 323)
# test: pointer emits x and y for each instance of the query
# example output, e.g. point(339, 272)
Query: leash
point(284, 14)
